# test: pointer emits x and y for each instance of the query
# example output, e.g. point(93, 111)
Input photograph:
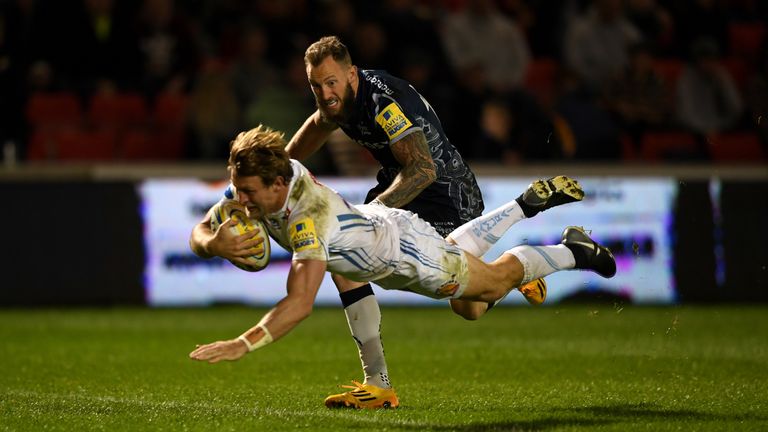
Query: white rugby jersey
point(357, 242)
point(365, 243)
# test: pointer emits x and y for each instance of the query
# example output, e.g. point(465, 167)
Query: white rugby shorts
point(429, 265)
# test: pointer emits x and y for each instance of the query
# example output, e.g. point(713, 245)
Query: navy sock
point(355, 295)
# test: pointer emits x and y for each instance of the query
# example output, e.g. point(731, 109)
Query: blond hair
point(260, 152)
point(325, 47)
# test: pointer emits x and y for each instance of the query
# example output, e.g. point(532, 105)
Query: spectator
point(285, 105)
point(20, 47)
point(534, 131)
point(757, 97)
point(520, 11)
point(252, 73)
point(708, 100)
point(106, 54)
point(596, 42)
point(221, 25)
point(289, 24)
point(595, 133)
point(339, 18)
point(515, 129)
point(542, 22)
point(371, 47)
point(699, 19)
point(638, 97)
point(420, 68)
point(484, 44)
point(494, 142)
point(168, 51)
point(410, 24)
point(653, 22)
point(214, 114)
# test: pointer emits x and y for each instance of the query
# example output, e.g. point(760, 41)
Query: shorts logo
point(449, 288)
point(393, 121)
point(303, 235)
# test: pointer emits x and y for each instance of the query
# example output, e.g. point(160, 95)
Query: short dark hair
point(327, 46)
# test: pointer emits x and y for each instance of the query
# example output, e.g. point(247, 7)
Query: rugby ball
point(226, 209)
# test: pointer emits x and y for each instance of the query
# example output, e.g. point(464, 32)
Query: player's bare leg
point(522, 264)
point(477, 236)
point(489, 282)
point(535, 292)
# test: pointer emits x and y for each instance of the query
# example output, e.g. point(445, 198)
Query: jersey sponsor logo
point(393, 121)
point(303, 235)
point(374, 80)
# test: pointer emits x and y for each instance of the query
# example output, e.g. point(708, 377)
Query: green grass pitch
point(578, 367)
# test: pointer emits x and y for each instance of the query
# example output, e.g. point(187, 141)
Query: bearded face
point(337, 110)
point(332, 87)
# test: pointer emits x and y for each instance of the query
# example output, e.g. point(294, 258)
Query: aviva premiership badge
point(303, 235)
point(393, 121)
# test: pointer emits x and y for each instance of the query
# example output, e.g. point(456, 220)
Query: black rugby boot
point(588, 253)
point(545, 194)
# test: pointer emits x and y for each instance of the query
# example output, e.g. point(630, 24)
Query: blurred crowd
point(512, 80)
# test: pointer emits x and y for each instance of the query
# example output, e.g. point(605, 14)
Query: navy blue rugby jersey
point(389, 109)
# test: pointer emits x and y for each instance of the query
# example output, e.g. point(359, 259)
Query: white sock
point(479, 234)
point(364, 319)
point(540, 261)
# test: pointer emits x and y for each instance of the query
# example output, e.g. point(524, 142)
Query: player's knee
point(469, 311)
point(469, 315)
point(343, 284)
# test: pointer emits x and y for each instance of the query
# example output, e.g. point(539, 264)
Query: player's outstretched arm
point(304, 281)
point(310, 137)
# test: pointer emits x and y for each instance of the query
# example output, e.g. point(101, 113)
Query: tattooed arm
point(418, 170)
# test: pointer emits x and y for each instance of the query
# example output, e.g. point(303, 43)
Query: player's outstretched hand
point(218, 351)
point(231, 246)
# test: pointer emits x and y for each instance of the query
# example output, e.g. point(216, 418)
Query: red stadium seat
point(736, 147)
point(53, 110)
point(540, 79)
point(628, 151)
point(42, 145)
point(71, 144)
point(669, 70)
point(149, 145)
point(86, 145)
point(738, 70)
point(170, 110)
point(746, 39)
point(136, 144)
point(170, 144)
point(656, 146)
point(117, 110)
